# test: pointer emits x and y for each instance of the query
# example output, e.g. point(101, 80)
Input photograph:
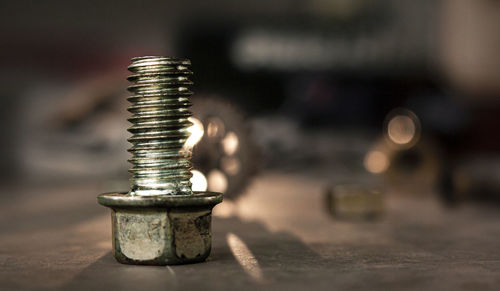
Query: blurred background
point(390, 93)
point(385, 110)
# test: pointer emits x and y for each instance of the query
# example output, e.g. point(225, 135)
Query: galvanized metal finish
point(160, 220)
point(160, 162)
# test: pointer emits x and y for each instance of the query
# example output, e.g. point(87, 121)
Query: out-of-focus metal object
point(401, 156)
point(475, 178)
point(160, 220)
point(352, 201)
point(225, 153)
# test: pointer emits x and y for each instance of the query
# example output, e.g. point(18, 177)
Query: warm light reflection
point(198, 181)
point(401, 129)
point(245, 257)
point(215, 127)
point(230, 143)
point(226, 209)
point(217, 181)
point(196, 131)
point(230, 165)
point(376, 162)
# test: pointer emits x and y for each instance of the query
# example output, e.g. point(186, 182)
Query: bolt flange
point(160, 221)
point(162, 229)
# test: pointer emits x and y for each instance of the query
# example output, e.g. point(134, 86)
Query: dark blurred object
point(226, 154)
point(90, 119)
point(326, 66)
point(457, 153)
point(81, 136)
point(322, 62)
point(352, 202)
point(402, 157)
point(414, 169)
point(474, 178)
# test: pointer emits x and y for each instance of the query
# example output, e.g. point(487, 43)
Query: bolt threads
point(160, 101)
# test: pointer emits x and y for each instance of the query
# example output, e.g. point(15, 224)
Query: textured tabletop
point(276, 237)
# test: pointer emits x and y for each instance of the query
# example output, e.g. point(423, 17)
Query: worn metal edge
point(125, 200)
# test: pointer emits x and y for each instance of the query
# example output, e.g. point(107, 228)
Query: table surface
point(276, 237)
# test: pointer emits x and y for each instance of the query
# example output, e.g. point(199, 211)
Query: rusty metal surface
point(162, 229)
point(154, 237)
point(277, 237)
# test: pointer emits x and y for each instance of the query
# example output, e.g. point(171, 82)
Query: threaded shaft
point(160, 161)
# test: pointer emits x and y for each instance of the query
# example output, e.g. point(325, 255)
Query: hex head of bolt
point(161, 230)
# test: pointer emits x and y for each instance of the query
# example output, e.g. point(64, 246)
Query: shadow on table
point(245, 255)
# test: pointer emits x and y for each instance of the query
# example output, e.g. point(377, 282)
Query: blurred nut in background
point(354, 202)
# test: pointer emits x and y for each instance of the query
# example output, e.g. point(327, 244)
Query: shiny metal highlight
point(160, 91)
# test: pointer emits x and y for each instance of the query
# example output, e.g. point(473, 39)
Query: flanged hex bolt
point(160, 221)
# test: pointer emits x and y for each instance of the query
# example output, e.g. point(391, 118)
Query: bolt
point(160, 221)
